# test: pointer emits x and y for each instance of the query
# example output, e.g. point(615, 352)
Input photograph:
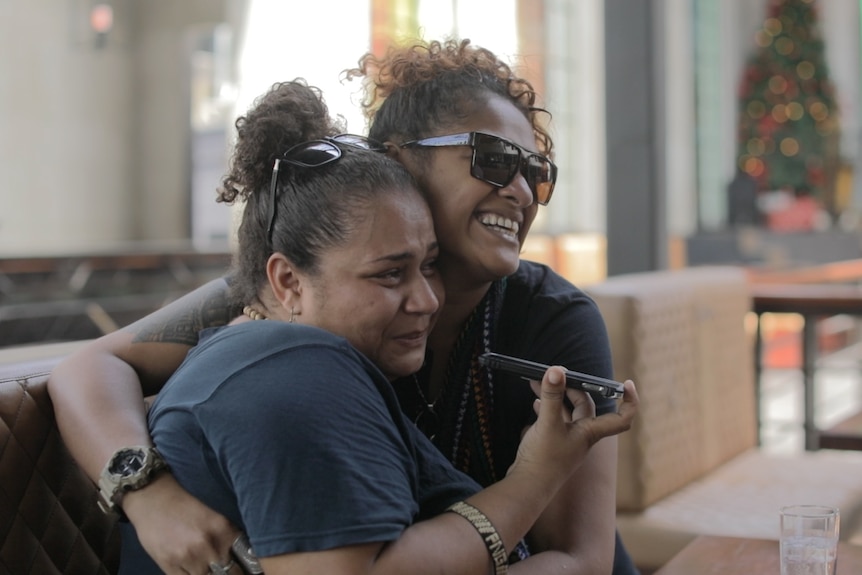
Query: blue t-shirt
point(299, 440)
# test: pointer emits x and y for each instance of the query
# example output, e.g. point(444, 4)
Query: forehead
point(394, 223)
point(497, 115)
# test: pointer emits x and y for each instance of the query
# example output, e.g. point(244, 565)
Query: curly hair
point(418, 87)
point(317, 207)
point(289, 113)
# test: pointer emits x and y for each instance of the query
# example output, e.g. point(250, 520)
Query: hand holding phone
point(534, 370)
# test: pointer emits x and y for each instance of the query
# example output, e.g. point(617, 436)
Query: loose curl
point(416, 88)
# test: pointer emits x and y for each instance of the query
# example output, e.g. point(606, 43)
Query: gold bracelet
point(489, 534)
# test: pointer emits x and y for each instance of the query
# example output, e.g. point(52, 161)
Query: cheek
point(371, 317)
point(448, 193)
point(529, 217)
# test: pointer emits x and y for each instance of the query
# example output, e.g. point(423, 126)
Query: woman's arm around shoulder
point(98, 391)
point(98, 394)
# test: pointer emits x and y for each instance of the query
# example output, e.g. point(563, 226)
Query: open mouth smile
point(500, 224)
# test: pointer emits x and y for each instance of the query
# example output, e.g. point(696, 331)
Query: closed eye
point(391, 276)
point(430, 267)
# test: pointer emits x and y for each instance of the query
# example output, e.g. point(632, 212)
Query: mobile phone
point(534, 370)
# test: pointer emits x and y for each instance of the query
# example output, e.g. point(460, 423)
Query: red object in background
point(782, 349)
point(102, 18)
point(797, 216)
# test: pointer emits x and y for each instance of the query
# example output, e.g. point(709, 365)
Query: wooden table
point(708, 555)
point(811, 301)
point(847, 434)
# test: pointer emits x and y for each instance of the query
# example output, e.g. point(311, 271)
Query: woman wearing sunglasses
point(337, 250)
point(466, 128)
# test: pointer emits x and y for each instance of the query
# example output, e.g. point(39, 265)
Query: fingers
point(629, 405)
point(552, 392)
point(630, 398)
point(182, 535)
point(583, 405)
point(615, 423)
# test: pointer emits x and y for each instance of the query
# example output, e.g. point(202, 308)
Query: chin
point(402, 368)
point(505, 265)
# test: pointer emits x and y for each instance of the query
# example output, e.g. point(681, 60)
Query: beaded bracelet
point(489, 535)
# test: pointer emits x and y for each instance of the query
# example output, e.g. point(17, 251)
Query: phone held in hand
point(534, 370)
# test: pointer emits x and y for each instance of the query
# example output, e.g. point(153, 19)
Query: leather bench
point(49, 521)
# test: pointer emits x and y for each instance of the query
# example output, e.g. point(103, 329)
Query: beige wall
point(93, 142)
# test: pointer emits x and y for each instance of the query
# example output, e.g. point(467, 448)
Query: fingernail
point(556, 377)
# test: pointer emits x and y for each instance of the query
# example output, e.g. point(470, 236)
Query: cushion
point(680, 335)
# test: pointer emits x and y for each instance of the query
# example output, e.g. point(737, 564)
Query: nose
point(424, 295)
point(518, 191)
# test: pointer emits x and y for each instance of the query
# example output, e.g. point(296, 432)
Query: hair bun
point(287, 114)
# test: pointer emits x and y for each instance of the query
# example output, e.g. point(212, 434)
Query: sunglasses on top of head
point(497, 161)
point(313, 154)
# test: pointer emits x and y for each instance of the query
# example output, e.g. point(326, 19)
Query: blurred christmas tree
point(788, 130)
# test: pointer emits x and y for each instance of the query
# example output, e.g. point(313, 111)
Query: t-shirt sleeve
point(312, 453)
point(549, 320)
point(577, 338)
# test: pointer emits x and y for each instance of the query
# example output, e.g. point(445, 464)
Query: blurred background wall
point(94, 128)
point(115, 115)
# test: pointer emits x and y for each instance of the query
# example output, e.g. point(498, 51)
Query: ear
point(285, 283)
point(403, 157)
point(393, 150)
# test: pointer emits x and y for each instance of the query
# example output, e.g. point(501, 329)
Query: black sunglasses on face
point(313, 154)
point(497, 161)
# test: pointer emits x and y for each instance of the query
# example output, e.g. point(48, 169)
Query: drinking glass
point(809, 539)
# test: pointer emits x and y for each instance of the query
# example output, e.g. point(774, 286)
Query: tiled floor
point(838, 392)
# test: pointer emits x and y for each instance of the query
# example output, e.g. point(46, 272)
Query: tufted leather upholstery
point(49, 521)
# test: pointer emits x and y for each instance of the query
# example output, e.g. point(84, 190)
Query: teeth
point(501, 222)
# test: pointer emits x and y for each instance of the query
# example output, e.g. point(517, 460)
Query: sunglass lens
point(359, 142)
point(495, 160)
point(313, 154)
point(541, 176)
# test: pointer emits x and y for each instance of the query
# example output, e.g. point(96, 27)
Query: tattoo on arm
point(182, 320)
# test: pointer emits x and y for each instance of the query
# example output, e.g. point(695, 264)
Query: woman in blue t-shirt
point(290, 427)
point(467, 129)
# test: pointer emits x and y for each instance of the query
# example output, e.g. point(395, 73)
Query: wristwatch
point(129, 469)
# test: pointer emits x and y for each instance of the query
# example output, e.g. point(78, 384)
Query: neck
point(458, 306)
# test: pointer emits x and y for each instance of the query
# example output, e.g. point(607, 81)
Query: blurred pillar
point(634, 99)
point(574, 75)
point(857, 159)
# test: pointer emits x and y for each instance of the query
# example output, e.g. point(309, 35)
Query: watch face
point(127, 463)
